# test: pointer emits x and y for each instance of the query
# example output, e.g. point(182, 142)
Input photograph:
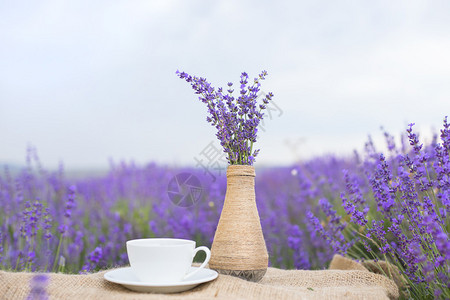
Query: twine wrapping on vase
point(239, 248)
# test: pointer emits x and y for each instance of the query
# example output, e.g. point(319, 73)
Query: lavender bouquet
point(236, 119)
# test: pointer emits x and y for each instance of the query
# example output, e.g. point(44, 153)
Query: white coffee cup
point(163, 260)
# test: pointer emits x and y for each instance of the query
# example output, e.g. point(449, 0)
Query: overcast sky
point(89, 81)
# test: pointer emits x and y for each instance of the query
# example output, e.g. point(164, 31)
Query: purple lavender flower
point(47, 224)
point(70, 204)
point(93, 259)
point(296, 243)
point(354, 202)
point(382, 190)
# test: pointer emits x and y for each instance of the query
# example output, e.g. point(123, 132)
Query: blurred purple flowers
point(236, 119)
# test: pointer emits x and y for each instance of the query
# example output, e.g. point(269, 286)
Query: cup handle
point(208, 256)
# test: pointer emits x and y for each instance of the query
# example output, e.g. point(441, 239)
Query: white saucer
point(125, 277)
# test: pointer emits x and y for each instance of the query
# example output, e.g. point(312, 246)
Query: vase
point(239, 248)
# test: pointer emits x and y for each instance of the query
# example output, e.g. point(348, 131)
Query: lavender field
point(392, 206)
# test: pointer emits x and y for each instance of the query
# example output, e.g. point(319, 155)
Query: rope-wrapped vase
point(239, 248)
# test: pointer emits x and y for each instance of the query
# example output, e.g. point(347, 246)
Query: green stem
point(17, 263)
point(57, 253)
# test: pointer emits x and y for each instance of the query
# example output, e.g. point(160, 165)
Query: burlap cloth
point(346, 279)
